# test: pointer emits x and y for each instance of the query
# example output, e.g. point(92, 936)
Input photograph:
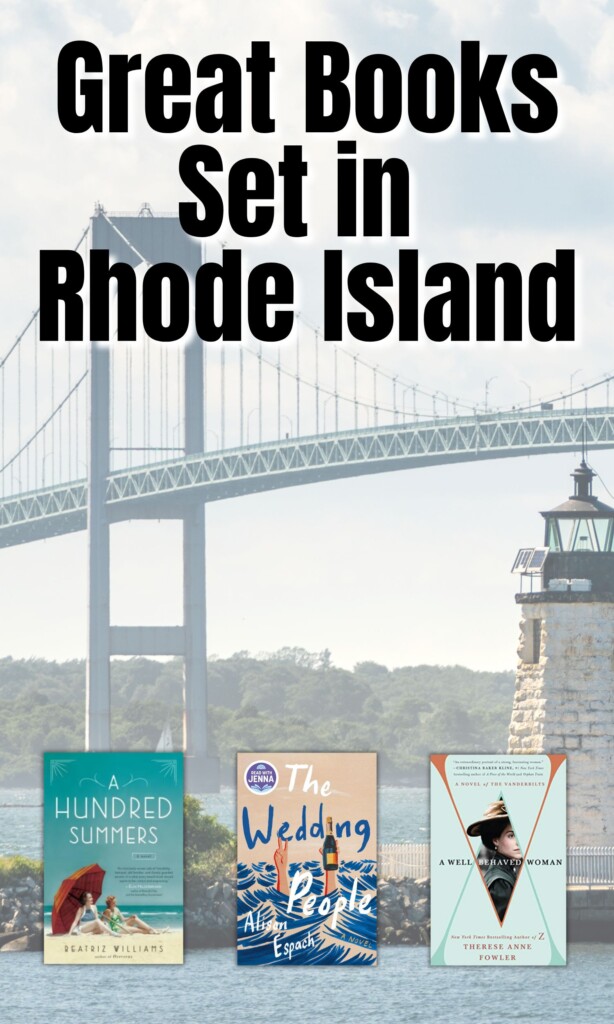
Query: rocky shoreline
point(210, 914)
point(21, 915)
point(403, 913)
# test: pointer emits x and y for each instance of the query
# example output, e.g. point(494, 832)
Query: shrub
point(209, 847)
point(13, 869)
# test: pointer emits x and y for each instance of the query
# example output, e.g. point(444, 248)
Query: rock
point(7, 938)
point(35, 940)
point(16, 946)
point(403, 914)
point(22, 942)
point(414, 935)
point(420, 910)
point(226, 915)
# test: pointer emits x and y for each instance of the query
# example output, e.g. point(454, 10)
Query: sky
point(402, 568)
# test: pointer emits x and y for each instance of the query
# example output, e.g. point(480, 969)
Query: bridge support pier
point(153, 239)
point(98, 683)
point(202, 772)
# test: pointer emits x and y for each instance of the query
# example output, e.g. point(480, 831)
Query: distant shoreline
point(409, 784)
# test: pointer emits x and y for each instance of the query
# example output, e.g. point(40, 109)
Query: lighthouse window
point(567, 528)
point(533, 641)
point(581, 534)
point(603, 528)
point(531, 644)
point(553, 539)
point(584, 537)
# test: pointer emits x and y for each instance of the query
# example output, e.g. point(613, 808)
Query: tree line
point(291, 699)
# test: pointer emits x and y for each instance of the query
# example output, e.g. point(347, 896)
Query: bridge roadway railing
point(163, 488)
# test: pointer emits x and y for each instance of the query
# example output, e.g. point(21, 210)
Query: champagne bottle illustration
point(330, 854)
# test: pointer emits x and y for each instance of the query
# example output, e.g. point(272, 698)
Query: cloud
point(396, 18)
point(579, 24)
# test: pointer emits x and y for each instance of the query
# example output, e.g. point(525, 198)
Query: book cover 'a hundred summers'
point(498, 859)
point(113, 857)
point(307, 848)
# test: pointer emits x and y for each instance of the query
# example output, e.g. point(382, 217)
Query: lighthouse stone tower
point(564, 699)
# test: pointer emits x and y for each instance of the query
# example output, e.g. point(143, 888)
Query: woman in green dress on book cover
point(119, 922)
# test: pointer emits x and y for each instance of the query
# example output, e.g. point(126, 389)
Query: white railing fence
point(404, 860)
point(586, 865)
point(590, 865)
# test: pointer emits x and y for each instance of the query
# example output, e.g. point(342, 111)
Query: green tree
point(205, 838)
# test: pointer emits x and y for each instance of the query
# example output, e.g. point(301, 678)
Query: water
point(402, 988)
point(21, 822)
point(402, 817)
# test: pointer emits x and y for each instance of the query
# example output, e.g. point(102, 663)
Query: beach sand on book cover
point(113, 857)
point(498, 859)
point(307, 848)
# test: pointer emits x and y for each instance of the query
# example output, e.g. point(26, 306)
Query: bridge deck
point(164, 489)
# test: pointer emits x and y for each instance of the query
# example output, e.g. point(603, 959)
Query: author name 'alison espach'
point(306, 859)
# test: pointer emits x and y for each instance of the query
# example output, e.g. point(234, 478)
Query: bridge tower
point(564, 699)
point(132, 240)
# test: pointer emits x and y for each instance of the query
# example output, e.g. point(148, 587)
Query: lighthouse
point(564, 697)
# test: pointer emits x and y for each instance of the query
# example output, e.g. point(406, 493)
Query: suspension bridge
point(91, 435)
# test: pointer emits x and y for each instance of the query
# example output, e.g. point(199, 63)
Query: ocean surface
point(402, 817)
point(402, 988)
point(209, 986)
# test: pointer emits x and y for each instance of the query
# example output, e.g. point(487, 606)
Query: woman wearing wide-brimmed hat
point(499, 856)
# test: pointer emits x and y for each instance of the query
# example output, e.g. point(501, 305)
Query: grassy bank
point(15, 868)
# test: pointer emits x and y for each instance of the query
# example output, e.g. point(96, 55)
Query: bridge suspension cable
point(253, 394)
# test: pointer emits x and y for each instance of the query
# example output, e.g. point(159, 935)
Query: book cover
point(307, 848)
point(498, 859)
point(113, 858)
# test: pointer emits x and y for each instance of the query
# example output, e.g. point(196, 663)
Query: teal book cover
point(307, 859)
point(498, 860)
point(113, 858)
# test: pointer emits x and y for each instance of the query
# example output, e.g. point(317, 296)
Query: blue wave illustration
point(267, 932)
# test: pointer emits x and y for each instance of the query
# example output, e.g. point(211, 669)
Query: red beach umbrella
point(66, 901)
